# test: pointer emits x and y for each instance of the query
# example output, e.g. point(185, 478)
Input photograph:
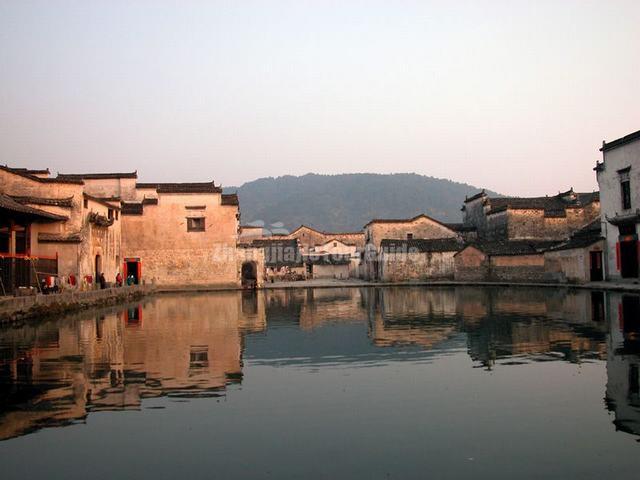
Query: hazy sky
point(515, 96)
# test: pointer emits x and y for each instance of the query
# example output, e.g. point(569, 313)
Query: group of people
point(131, 279)
point(52, 284)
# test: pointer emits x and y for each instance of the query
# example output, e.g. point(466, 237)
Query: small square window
point(409, 236)
point(195, 224)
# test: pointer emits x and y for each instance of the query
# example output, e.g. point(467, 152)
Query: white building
point(619, 181)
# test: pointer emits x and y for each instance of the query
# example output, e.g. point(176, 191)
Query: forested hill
point(346, 202)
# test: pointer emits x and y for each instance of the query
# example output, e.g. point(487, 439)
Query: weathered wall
point(100, 241)
point(170, 254)
point(571, 265)
point(611, 199)
point(420, 228)
point(124, 188)
point(331, 271)
point(396, 267)
point(517, 268)
point(532, 224)
point(470, 265)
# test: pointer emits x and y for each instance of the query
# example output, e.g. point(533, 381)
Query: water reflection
point(59, 372)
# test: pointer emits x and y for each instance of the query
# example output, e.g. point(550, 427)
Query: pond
point(358, 383)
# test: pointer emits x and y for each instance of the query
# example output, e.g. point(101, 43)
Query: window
point(116, 214)
point(110, 214)
point(409, 236)
point(195, 224)
point(86, 203)
point(625, 189)
point(335, 244)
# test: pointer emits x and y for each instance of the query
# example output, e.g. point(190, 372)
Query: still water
point(328, 383)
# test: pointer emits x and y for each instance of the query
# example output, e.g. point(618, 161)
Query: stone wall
point(471, 265)
point(20, 308)
point(398, 267)
point(421, 227)
point(517, 268)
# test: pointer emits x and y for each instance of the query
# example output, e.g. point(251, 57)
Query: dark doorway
point(597, 306)
point(98, 267)
point(133, 269)
point(629, 259)
point(249, 275)
point(595, 267)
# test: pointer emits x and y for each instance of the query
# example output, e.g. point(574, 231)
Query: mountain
point(347, 202)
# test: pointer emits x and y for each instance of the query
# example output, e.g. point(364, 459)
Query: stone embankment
point(14, 309)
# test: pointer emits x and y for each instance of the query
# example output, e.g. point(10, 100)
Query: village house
point(530, 218)
point(420, 227)
point(505, 261)
point(578, 259)
point(282, 259)
point(310, 238)
point(619, 181)
point(418, 259)
point(170, 234)
point(60, 231)
point(333, 259)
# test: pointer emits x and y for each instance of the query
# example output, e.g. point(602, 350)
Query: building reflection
point(623, 363)
point(59, 372)
point(189, 346)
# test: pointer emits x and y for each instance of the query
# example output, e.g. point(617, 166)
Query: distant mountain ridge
point(346, 202)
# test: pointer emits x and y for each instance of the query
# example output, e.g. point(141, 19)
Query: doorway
point(595, 267)
point(132, 267)
point(98, 267)
point(249, 275)
point(629, 259)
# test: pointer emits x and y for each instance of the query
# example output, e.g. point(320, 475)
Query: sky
point(514, 96)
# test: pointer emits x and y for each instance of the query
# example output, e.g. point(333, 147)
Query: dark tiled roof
point(280, 253)
point(620, 141)
point(30, 171)
point(555, 206)
point(405, 220)
point(461, 227)
point(421, 245)
point(149, 201)
point(327, 259)
point(54, 202)
point(475, 197)
point(514, 247)
point(9, 205)
point(59, 238)
point(230, 199)
point(129, 208)
point(23, 173)
point(97, 176)
point(199, 187)
point(99, 200)
point(583, 238)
